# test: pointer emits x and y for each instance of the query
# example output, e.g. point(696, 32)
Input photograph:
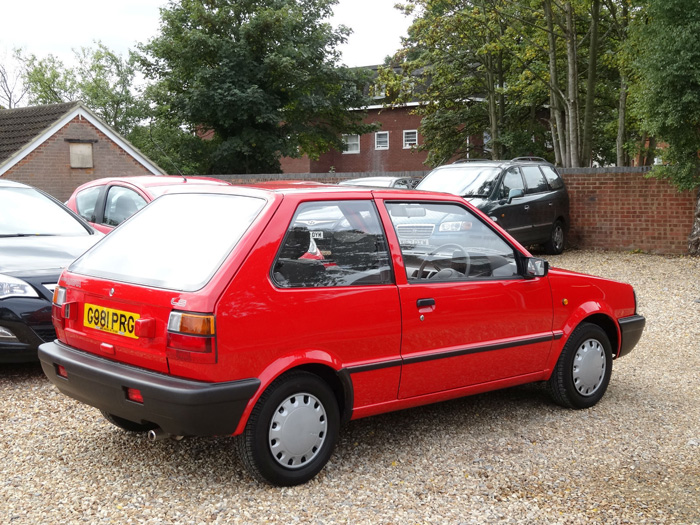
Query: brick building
point(58, 147)
point(390, 149)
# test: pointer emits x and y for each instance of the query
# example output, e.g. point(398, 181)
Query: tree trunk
point(621, 129)
point(557, 123)
point(572, 87)
point(590, 84)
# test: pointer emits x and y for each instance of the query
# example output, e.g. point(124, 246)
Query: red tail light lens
point(191, 337)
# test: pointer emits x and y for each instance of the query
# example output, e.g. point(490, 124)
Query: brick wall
point(48, 166)
point(624, 209)
point(610, 208)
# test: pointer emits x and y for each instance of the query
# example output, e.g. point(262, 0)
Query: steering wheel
point(454, 247)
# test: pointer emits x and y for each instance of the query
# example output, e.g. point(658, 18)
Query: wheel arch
point(610, 328)
point(338, 379)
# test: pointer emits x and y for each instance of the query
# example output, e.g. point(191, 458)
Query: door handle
point(527, 207)
point(422, 303)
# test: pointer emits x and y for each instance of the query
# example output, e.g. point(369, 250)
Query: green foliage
point(102, 80)
point(260, 76)
point(666, 48)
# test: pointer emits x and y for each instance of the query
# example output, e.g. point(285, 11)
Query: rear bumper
point(631, 329)
point(178, 406)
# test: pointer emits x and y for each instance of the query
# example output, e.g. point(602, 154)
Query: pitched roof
point(23, 129)
point(19, 126)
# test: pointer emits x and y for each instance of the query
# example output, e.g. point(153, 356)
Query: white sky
point(45, 27)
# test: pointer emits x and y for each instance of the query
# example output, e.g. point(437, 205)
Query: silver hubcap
point(297, 430)
point(589, 367)
point(558, 237)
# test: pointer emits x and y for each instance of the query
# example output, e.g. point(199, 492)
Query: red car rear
point(222, 324)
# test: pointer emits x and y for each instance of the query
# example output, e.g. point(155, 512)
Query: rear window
point(26, 212)
point(178, 242)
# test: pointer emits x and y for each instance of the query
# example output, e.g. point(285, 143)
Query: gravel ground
point(504, 457)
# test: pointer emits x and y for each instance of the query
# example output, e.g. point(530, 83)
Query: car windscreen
point(177, 242)
point(26, 212)
point(467, 181)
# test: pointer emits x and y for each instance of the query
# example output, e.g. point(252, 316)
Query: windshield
point(177, 242)
point(467, 181)
point(26, 211)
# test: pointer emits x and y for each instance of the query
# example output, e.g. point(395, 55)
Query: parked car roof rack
point(470, 160)
point(533, 159)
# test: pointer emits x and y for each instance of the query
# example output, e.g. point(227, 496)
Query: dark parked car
point(408, 183)
point(39, 237)
point(220, 326)
point(106, 203)
point(525, 196)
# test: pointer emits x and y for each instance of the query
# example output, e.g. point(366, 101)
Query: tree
point(12, 89)
point(259, 77)
point(102, 80)
point(667, 50)
point(507, 61)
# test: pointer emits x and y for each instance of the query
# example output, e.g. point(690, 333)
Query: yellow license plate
point(110, 320)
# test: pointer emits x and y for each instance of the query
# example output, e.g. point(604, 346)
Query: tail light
point(191, 337)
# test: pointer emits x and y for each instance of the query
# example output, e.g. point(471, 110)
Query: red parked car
point(106, 203)
point(222, 325)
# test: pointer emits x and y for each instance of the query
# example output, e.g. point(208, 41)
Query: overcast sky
point(45, 27)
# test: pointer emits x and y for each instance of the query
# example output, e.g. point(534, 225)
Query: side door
point(513, 214)
point(468, 316)
point(541, 202)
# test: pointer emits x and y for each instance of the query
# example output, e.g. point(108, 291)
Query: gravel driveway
point(505, 457)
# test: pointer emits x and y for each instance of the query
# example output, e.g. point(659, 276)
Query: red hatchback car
point(222, 325)
point(106, 203)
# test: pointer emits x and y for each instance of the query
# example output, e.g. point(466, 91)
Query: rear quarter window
point(553, 178)
point(178, 242)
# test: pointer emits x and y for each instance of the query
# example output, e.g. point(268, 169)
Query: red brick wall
point(610, 208)
point(617, 210)
point(48, 166)
point(369, 159)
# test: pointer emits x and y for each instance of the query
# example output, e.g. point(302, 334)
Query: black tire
point(557, 239)
point(294, 402)
point(125, 424)
point(582, 373)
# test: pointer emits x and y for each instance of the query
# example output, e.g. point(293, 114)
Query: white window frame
point(376, 140)
point(406, 143)
point(350, 142)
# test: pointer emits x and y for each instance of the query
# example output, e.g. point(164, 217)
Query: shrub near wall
point(625, 209)
point(611, 208)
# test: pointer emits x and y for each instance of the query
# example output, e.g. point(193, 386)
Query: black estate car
point(526, 196)
point(39, 237)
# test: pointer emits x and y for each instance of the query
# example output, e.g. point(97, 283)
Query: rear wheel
point(291, 431)
point(557, 239)
point(125, 424)
point(582, 373)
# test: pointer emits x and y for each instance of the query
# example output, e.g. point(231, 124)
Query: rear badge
point(180, 303)
point(111, 292)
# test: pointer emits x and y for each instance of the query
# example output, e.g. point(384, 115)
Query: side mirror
point(514, 194)
point(536, 268)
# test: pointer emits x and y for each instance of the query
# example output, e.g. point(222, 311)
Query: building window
point(81, 155)
point(410, 138)
point(381, 140)
point(352, 143)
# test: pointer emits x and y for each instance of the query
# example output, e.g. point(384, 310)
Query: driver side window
point(446, 242)
point(511, 181)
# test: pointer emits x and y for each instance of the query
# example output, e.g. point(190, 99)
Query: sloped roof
point(19, 126)
point(22, 130)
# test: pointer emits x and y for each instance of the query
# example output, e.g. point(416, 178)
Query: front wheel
point(582, 373)
point(557, 240)
point(291, 431)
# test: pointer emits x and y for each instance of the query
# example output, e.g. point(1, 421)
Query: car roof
point(5, 183)
point(518, 161)
point(149, 181)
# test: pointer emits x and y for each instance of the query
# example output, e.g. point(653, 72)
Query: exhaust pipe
point(159, 435)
